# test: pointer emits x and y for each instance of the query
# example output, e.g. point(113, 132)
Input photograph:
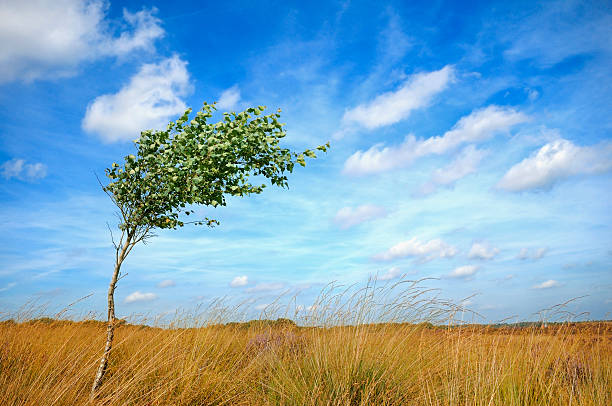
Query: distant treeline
point(285, 323)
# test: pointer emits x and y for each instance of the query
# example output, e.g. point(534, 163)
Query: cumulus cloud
point(482, 250)
point(478, 126)
point(464, 164)
point(168, 283)
point(392, 273)
point(19, 169)
point(239, 281)
point(423, 251)
point(148, 101)
point(533, 254)
point(43, 39)
point(348, 217)
point(140, 297)
point(556, 161)
point(391, 107)
point(463, 272)
point(266, 287)
point(551, 283)
point(229, 98)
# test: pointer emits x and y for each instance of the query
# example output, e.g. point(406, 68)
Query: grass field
point(52, 362)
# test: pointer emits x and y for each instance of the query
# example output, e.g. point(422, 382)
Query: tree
point(192, 162)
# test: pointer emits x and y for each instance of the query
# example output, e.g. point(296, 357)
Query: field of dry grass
point(52, 362)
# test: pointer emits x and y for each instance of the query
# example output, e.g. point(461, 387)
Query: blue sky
point(471, 143)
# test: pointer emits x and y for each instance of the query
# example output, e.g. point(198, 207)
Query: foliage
point(197, 162)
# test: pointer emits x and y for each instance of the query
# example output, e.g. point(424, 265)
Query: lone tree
point(192, 162)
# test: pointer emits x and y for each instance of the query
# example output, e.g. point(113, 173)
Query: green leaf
point(300, 160)
point(196, 162)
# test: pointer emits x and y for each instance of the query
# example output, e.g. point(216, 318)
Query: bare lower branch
point(112, 236)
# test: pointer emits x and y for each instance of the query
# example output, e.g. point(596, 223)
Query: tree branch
point(111, 233)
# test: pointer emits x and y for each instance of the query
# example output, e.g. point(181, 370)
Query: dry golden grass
point(51, 362)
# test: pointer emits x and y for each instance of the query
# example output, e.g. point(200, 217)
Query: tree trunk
point(110, 328)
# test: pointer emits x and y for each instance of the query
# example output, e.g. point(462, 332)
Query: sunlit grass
point(374, 346)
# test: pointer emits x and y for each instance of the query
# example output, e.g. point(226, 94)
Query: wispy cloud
point(19, 169)
point(168, 283)
point(348, 217)
point(424, 251)
point(392, 107)
point(229, 99)
point(140, 297)
point(463, 272)
point(464, 164)
point(148, 101)
point(551, 283)
point(239, 281)
point(558, 31)
point(391, 273)
point(482, 250)
point(555, 161)
point(533, 254)
point(51, 38)
point(478, 126)
point(8, 286)
point(266, 287)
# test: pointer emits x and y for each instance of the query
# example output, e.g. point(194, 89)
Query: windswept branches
point(191, 162)
point(197, 162)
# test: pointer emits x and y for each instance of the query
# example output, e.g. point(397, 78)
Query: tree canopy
point(197, 162)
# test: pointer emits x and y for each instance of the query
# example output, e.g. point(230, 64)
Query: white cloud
point(423, 251)
point(551, 283)
point(261, 306)
point(464, 164)
point(463, 271)
point(147, 30)
point(239, 281)
point(348, 217)
point(533, 254)
point(478, 126)
point(392, 273)
point(556, 161)
point(8, 286)
point(148, 101)
point(391, 107)
point(532, 94)
point(43, 39)
point(266, 287)
point(140, 297)
point(229, 99)
point(559, 30)
point(168, 283)
point(18, 168)
point(482, 251)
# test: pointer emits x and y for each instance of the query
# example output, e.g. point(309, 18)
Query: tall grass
point(391, 345)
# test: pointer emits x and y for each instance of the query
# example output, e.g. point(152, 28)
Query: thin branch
point(111, 233)
point(110, 195)
point(124, 215)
